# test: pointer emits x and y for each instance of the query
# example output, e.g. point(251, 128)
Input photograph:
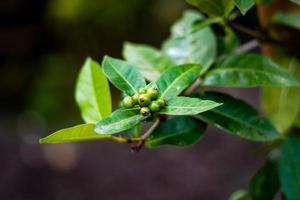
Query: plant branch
point(248, 46)
point(192, 87)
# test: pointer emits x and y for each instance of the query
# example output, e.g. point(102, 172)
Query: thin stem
point(120, 139)
point(248, 46)
point(193, 87)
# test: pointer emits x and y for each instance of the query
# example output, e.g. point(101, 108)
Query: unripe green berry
point(144, 100)
point(145, 111)
point(135, 98)
point(142, 90)
point(161, 103)
point(154, 106)
point(153, 92)
point(127, 102)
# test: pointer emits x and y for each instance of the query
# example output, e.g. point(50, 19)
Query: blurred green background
point(42, 47)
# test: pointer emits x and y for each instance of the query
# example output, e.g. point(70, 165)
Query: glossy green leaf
point(92, 92)
point(179, 131)
point(190, 42)
point(265, 183)
point(244, 5)
point(148, 60)
point(83, 132)
point(119, 121)
point(249, 70)
point(289, 167)
point(174, 80)
point(290, 19)
point(282, 105)
point(188, 106)
point(123, 75)
point(238, 118)
point(213, 7)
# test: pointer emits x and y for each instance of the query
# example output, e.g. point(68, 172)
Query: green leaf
point(148, 60)
point(179, 131)
point(227, 43)
point(244, 5)
point(174, 80)
point(290, 19)
point(120, 120)
point(274, 100)
point(289, 167)
point(188, 106)
point(240, 195)
point(238, 118)
point(296, 1)
point(83, 132)
point(92, 92)
point(123, 75)
point(265, 183)
point(190, 42)
point(249, 70)
point(213, 7)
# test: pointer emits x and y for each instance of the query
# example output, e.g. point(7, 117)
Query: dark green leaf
point(123, 75)
point(238, 118)
point(119, 121)
point(92, 92)
point(290, 19)
point(244, 5)
point(78, 133)
point(190, 42)
point(188, 106)
point(174, 80)
point(274, 100)
point(179, 131)
point(148, 60)
point(227, 43)
point(249, 70)
point(265, 183)
point(213, 7)
point(289, 167)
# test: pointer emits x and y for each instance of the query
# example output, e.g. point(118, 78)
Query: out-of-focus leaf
point(188, 106)
point(265, 183)
point(249, 70)
point(123, 75)
point(92, 92)
point(120, 120)
point(190, 42)
point(238, 118)
point(174, 80)
point(296, 1)
point(282, 105)
point(244, 5)
point(290, 19)
point(213, 7)
point(148, 60)
point(289, 167)
point(240, 195)
point(227, 43)
point(179, 131)
point(77, 133)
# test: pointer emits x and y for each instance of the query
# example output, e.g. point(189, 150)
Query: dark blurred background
point(42, 47)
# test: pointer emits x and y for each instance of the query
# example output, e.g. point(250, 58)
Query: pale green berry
point(161, 103)
point(135, 98)
point(144, 100)
point(154, 106)
point(145, 111)
point(153, 92)
point(127, 102)
point(142, 90)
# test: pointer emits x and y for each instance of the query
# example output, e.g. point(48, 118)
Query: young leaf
point(249, 70)
point(148, 60)
point(188, 106)
point(78, 133)
point(289, 167)
point(290, 19)
point(213, 7)
point(119, 121)
point(92, 92)
point(179, 131)
point(244, 5)
point(174, 80)
point(238, 118)
point(190, 42)
point(123, 75)
point(265, 183)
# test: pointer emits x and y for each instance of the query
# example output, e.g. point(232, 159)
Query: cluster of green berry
point(146, 99)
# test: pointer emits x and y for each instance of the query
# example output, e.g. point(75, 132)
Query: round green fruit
point(154, 106)
point(161, 103)
point(144, 100)
point(145, 111)
point(135, 98)
point(127, 102)
point(153, 92)
point(142, 90)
